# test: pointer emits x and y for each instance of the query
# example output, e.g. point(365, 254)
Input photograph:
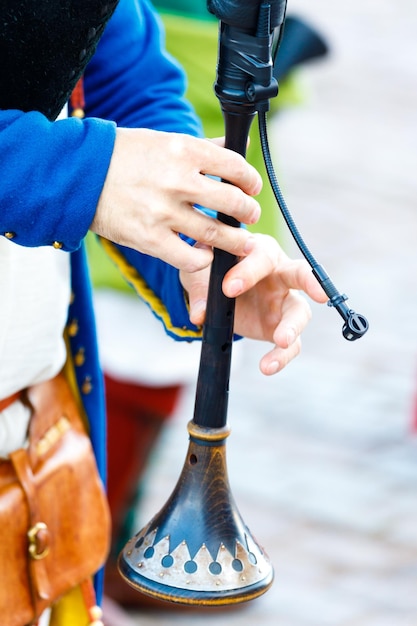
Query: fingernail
point(273, 367)
point(258, 185)
point(249, 245)
point(198, 309)
point(235, 287)
point(256, 214)
point(291, 336)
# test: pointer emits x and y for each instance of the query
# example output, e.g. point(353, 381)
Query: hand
point(153, 181)
point(265, 284)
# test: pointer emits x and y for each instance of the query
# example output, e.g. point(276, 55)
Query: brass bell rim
point(202, 433)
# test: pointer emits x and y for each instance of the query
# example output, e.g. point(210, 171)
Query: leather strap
point(38, 531)
point(9, 400)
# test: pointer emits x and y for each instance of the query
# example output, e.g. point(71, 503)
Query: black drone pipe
point(244, 84)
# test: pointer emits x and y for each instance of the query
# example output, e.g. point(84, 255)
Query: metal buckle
point(35, 542)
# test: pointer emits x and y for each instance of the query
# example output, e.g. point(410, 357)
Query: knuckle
point(240, 203)
point(150, 242)
point(195, 262)
point(192, 265)
point(240, 165)
point(177, 145)
point(211, 232)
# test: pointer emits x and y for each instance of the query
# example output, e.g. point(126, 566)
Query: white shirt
point(34, 299)
point(35, 288)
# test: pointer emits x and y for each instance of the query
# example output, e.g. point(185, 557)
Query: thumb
point(196, 285)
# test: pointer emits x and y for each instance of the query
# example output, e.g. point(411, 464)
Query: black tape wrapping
point(243, 14)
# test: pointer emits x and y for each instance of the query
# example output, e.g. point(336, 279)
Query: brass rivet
point(10, 234)
point(73, 328)
point(57, 245)
point(86, 386)
point(79, 358)
point(79, 113)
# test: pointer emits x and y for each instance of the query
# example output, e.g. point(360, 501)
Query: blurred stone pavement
point(322, 461)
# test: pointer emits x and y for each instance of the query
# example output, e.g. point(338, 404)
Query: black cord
point(355, 325)
point(277, 191)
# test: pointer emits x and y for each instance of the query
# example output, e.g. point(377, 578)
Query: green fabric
point(103, 272)
point(189, 8)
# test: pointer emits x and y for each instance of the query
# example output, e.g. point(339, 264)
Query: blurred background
point(322, 458)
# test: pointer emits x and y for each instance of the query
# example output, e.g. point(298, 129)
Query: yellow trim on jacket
point(145, 292)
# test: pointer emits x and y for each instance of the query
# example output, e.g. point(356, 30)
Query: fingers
point(299, 275)
point(207, 231)
point(231, 166)
point(263, 257)
point(143, 210)
point(196, 285)
point(278, 316)
point(278, 358)
point(295, 315)
point(228, 199)
point(211, 232)
point(208, 157)
point(215, 165)
point(184, 257)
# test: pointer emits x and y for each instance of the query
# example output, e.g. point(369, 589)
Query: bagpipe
point(198, 550)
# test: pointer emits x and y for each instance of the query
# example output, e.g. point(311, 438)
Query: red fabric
point(137, 398)
point(77, 99)
point(135, 415)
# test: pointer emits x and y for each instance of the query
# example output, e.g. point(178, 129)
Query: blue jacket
point(53, 172)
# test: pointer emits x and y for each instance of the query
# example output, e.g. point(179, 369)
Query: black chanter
point(197, 550)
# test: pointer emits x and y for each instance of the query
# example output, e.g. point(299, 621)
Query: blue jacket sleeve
point(134, 82)
point(52, 175)
point(53, 172)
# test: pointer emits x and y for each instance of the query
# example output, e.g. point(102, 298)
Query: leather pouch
point(54, 517)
